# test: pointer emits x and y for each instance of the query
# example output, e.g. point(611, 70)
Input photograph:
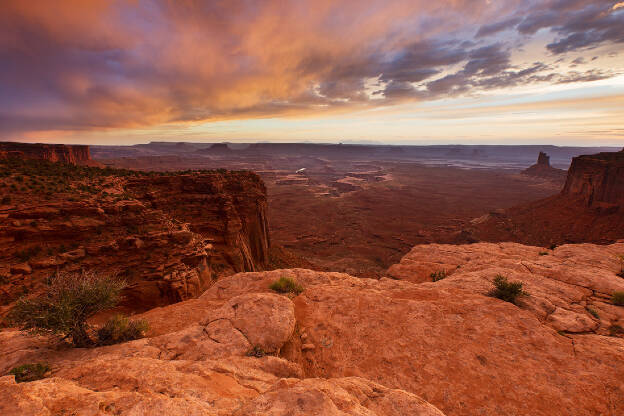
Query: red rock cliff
point(170, 237)
point(230, 209)
point(597, 179)
point(74, 154)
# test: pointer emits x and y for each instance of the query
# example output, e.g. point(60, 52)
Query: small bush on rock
point(66, 304)
point(618, 298)
point(505, 290)
point(120, 329)
point(286, 285)
point(616, 330)
point(29, 372)
point(593, 313)
point(256, 352)
point(439, 275)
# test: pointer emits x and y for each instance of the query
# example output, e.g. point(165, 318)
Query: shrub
point(6, 200)
point(120, 329)
point(553, 246)
point(543, 253)
point(615, 330)
point(618, 298)
point(593, 313)
point(505, 290)
point(29, 372)
point(256, 352)
point(439, 275)
point(66, 304)
point(286, 285)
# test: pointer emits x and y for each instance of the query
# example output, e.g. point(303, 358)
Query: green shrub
point(553, 246)
point(543, 253)
point(593, 312)
point(505, 290)
point(256, 352)
point(120, 329)
point(439, 275)
point(618, 298)
point(29, 372)
point(66, 304)
point(286, 285)
point(615, 330)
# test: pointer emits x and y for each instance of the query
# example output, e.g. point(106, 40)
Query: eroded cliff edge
point(590, 208)
point(74, 154)
point(168, 235)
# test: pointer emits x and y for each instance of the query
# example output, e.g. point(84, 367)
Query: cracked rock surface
point(396, 346)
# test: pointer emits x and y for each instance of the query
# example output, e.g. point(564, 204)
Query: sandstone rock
point(74, 254)
point(266, 320)
point(542, 169)
point(590, 208)
point(74, 154)
point(380, 345)
point(46, 262)
point(343, 396)
point(146, 239)
point(22, 268)
point(597, 178)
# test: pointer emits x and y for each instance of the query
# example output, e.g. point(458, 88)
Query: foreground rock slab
point(347, 346)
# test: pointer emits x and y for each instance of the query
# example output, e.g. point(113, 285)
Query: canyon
point(167, 236)
point(396, 261)
point(589, 208)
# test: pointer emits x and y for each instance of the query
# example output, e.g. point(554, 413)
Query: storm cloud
point(85, 65)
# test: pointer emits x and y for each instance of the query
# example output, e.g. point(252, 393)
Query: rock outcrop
point(229, 208)
point(74, 154)
point(597, 179)
point(542, 169)
point(354, 346)
point(205, 368)
point(168, 236)
point(590, 208)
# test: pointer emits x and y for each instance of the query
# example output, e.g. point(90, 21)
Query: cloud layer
point(99, 64)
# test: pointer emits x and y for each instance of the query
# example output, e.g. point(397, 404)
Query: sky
point(351, 71)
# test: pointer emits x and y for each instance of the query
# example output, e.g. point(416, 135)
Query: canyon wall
point(597, 179)
point(590, 208)
point(229, 210)
point(169, 237)
point(74, 154)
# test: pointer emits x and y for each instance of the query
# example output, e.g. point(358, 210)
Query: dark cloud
point(493, 28)
point(95, 64)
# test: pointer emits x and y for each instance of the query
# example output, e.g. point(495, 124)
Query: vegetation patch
point(618, 298)
point(66, 304)
point(506, 290)
point(256, 352)
point(543, 253)
point(120, 329)
point(30, 372)
point(616, 330)
point(593, 312)
point(620, 258)
point(286, 285)
point(439, 275)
